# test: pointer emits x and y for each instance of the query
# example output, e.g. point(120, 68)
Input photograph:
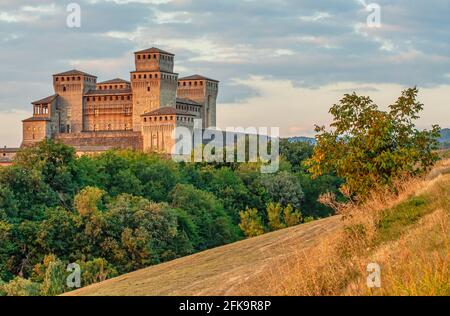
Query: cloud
point(307, 44)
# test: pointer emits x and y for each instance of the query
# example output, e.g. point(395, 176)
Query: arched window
point(64, 89)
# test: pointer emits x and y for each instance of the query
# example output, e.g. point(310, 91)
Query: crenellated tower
point(71, 86)
point(154, 84)
point(202, 90)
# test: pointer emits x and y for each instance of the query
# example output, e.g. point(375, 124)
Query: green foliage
point(122, 210)
point(20, 287)
point(251, 223)
point(274, 212)
point(368, 147)
point(280, 217)
point(96, 270)
point(283, 188)
point(54, 278)
point(291, 217)
point(87, 200)
point(207, 213)
point(296, 153)
point(394, 221)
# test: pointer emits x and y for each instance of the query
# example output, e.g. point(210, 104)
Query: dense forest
point(122, 210)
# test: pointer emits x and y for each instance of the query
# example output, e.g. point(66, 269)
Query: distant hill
point(302, 139)
point(445, 138)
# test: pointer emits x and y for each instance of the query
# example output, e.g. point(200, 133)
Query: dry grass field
point(224, 270)
point(407, 234)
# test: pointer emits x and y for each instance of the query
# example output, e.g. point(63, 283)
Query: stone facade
point(7, 155)
point(139, 114)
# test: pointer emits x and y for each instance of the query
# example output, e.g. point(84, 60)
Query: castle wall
point(35, 131)
point(106, 139)
point(151, 90)
point(71, 102)
point(157, 131)
point(204, 92)
point(108, 113)
point(7, 155)
point(154, 61)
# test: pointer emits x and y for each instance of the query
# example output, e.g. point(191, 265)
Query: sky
point(280, 63)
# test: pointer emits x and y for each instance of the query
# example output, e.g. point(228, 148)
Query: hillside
point(408, 235)
point(220, 271)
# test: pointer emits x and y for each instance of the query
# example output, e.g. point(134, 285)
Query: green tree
point(368, 147)
point(283, 188)
point(213, 225)
point(54, 281)
point(251, 223)
point(87, 200)
point(274, 212)
point(96, 270)
point(296, 153)
point(20, 287)
point(291, 217)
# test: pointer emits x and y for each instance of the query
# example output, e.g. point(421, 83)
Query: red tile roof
point(46, 100)
point(168, 110)
point(117, 80)
point(188, 101)
point(109, 92)
point(74, 72)
point(37, 119)
point(197, 77)
point(154, 50)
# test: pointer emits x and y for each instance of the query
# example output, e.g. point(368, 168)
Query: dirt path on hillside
point(219, 271)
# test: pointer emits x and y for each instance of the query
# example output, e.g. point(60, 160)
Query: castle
point(139, 114)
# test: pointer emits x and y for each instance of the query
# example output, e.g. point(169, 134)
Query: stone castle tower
point(139, 114)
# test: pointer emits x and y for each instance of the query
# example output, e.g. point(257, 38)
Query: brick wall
point(110, 139)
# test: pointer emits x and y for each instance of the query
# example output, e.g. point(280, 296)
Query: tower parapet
point(71, 86)
point(154, 84)
point(204, 91)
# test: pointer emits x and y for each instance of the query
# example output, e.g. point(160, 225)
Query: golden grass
point(406, 234)
point(224, 270)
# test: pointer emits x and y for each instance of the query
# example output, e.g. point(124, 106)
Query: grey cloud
point(316, 52)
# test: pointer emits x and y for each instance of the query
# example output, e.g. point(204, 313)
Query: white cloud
point(315, 17)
